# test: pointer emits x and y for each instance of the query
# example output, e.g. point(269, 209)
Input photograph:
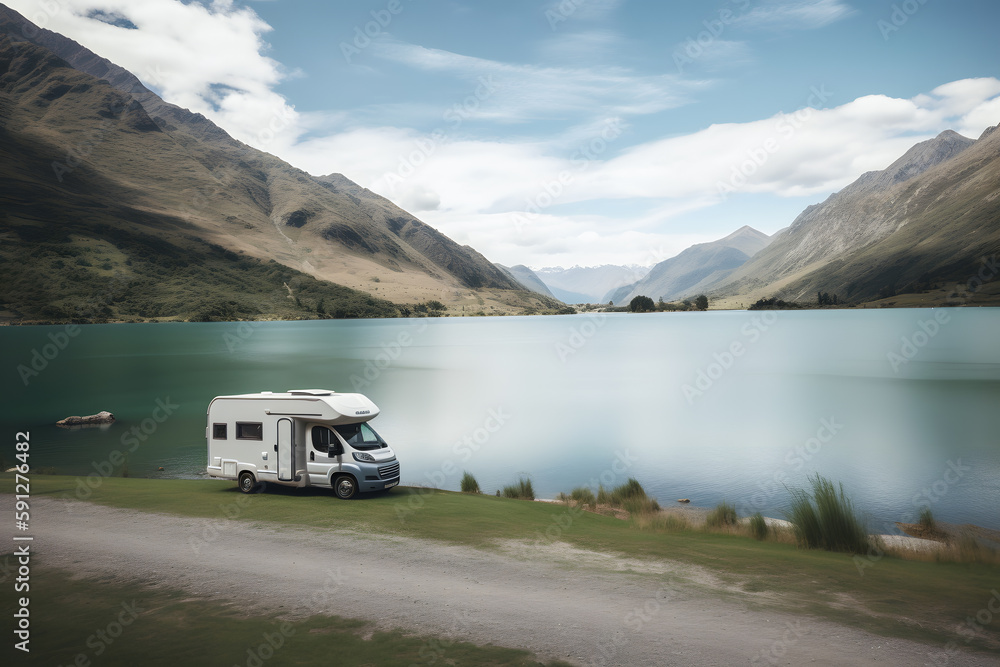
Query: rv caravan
point(303, 437)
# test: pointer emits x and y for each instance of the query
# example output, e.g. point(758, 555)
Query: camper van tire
point(345, 487)
point(248, 484)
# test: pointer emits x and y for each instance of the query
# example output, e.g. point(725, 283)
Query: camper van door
point(286, 450)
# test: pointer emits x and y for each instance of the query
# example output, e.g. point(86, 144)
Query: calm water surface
point(706, 406)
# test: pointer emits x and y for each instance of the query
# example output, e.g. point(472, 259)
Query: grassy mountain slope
point(91, 248)
point(928, 220)
point(113, 147)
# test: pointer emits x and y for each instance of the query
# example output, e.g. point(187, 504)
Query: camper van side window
point(321, 438)
point(249, 431)
point(219, 432)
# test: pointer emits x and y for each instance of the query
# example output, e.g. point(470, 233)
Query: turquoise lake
point(901, 406)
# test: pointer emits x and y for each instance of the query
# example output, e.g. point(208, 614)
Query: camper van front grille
point(389, 471)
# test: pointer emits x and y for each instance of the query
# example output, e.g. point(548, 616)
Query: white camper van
point(303, 437)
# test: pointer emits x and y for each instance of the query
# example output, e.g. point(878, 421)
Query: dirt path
point(582, 607)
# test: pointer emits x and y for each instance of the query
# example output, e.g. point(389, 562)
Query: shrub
point(522, 490)
point(469, 483)
point(825, 519)
point(927, 520)
point(758, 527)
point(723, 515)
point(641, 304)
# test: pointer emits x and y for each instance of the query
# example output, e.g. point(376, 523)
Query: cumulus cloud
point(519, 200)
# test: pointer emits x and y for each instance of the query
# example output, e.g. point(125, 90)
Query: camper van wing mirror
point(336, 449)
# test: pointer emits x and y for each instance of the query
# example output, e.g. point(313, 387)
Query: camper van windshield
point(360, 436)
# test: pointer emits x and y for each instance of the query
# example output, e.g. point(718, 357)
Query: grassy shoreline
point(923, 601)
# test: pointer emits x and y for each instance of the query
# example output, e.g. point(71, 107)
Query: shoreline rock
point(104, 417)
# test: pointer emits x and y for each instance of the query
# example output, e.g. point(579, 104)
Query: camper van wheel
point(345, 487)
point(247, 482)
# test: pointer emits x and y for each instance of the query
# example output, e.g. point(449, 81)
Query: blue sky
point(576, 132)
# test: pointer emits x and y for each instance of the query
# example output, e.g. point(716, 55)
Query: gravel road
point(582, 607)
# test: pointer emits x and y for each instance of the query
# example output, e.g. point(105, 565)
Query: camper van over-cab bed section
point(318, 404)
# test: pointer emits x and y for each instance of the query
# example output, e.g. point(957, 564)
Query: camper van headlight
point(363, 456)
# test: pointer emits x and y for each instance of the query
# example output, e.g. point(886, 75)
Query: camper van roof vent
point(310, 392)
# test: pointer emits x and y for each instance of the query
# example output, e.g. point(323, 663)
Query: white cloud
point(208, 58)
point(516, 201)
point(800, 15)
point(526, 92)
point(594, 196)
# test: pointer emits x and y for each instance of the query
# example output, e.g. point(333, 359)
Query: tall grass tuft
point(629, 496)
point(632, 498)
point(522, 490)
point(469, 483)
point(927, 520)
point(583, 496)
point(722, 516)
point(603, 497)
point(758, 527)
point(826, 519)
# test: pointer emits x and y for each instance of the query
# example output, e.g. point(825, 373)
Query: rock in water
point(100, 418)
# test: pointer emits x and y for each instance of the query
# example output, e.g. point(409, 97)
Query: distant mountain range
point(103, 182)
point(589, 284)
point(696, 270)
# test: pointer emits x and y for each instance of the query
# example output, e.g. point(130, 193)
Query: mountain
point(588, 284)
point(928, 218)
point(527, 278)
point(697, 269)
point(106, 183)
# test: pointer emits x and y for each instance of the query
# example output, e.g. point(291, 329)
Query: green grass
point(152, 278)
point(521, 490)
point(918, 600)
point(168, 627)
point(826, 519)
point(469, 483)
